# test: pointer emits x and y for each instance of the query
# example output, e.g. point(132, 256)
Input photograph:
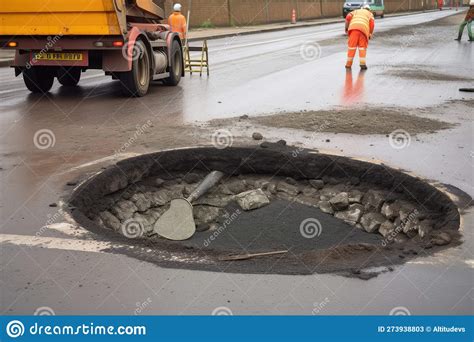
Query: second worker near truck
point(177, 21)
point(360, 26)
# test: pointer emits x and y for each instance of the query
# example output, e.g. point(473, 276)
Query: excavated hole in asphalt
point(332, 214)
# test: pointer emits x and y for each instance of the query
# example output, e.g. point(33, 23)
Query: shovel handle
point(212, 179)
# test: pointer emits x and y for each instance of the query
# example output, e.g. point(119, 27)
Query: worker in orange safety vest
point(177, 21)
point(360, 26)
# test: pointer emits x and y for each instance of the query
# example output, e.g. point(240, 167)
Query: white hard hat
point(366, 6)
point(471, 3)
point(177, 7)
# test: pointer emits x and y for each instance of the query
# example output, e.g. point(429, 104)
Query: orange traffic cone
point(293, 16)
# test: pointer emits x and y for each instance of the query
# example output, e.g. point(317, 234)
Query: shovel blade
point(178, 222)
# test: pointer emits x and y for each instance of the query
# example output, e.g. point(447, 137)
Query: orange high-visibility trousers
point(357, 40)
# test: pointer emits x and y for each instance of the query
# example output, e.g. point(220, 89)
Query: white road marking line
point(76, 245)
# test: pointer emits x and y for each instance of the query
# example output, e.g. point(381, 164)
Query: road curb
point(5, 62)
point(289, 27)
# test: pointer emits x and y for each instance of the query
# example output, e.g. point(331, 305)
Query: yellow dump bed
point(59, 17)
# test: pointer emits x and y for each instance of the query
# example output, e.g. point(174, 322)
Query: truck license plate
point(59, 56)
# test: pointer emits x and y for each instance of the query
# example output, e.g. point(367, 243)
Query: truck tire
point(39, 79)
point(69, 77)
point(137, 81)
point(176, 68)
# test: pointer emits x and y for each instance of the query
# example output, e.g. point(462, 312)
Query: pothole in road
point(323, 213)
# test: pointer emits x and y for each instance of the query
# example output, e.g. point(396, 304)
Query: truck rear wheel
point(39, 79)
point(176, 68)
point(69, 77)
point(137, 81)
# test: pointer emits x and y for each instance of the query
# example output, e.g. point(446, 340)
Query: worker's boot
point(363, 67)
point(458, 39)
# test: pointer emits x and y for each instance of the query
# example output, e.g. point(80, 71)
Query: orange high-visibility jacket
point(361, 20)
point(177, 21)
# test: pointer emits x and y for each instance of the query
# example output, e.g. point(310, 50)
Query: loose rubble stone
point(386, 228)
point(326, 207)
point(424, 228)
point(160, 198)
point(373, 200)
point(372, 222)
point(441, 239)
point(310, 192)
point(400, 238)
point(146, 221)
point(257, 136)
point(116, 183)
point(340, 201)
point(252, 199)
point(204, 215)
point(142, 202)
point(351, 215)
point(288, 188)
point(110, 220)
point(391, 210)
point(355, 196)
point(124, 209)
point(407, 211)
point(159, 182)
point(192, 178)
point(291, 181)
point(307, 200)
point(235, 187)
point(317, 183)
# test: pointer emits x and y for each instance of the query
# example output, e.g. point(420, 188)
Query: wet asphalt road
point(253, 74)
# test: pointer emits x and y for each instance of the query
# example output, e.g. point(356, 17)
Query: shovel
point(178, 222)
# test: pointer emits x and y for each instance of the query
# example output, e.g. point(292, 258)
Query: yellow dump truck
point(62, 38)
